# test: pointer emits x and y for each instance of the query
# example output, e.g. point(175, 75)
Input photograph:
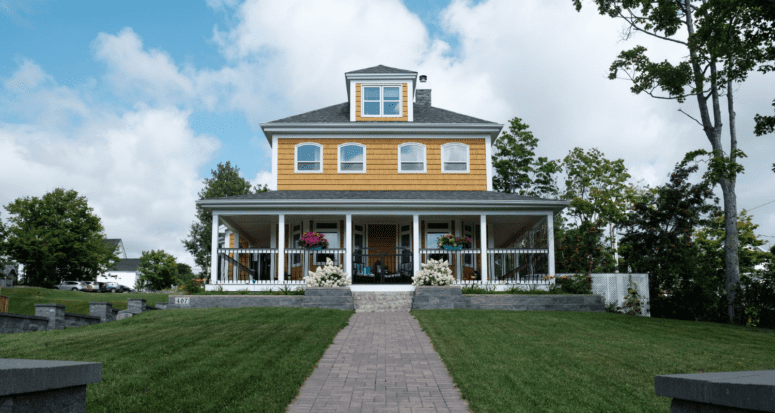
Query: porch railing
point(519, 265)
point(246, 265)
point(465, 264)
point(390, 266)
point(300, 261)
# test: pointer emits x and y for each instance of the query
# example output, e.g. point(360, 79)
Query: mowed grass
point(506, 361)
point(199, 360)
point(22, 300)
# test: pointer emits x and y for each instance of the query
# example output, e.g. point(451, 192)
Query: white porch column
point(458, 257)
point(348, 244)
point(214, 250)
point(550, 241)
point(235, 271)
point(272, 257)
point(226, 276)
point(416, 243)
point(281, 247)
point(483, 242)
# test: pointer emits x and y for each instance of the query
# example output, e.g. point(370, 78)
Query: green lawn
point(203, 360)
point(23, 299)
point(506, 361)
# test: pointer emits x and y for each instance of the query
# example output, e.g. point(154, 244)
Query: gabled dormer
point(381, 94)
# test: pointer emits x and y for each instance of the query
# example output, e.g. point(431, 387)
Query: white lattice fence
point(613, 288)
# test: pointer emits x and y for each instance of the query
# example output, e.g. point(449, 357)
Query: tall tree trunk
point(731, 243)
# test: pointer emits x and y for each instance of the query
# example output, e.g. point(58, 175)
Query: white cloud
point(138, 168)
point(265, 178)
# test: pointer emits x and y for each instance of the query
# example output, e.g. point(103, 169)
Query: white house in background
point(119, 245)
point(124, 273)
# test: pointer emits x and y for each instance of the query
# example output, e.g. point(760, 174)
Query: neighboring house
point(383, 176)
point(124, 272)
point(119, 245)
point(9, 271)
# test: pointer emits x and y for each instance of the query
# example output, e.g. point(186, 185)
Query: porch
point(259, 251)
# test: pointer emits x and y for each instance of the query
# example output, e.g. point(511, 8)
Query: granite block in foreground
point(743, 391)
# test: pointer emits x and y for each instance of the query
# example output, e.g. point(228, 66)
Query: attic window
point(309, 158)
point(381, 101)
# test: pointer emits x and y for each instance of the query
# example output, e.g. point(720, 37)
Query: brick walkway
point(381, 362)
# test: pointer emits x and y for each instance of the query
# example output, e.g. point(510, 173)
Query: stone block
point(124, 314)
point(748, 391)
point(17, 323)
point(136, 305)
point(102, 310)
point(55, 313)
point(328, 291)
point(45, 385)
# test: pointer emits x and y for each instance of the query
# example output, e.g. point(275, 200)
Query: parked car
point(72, 286)
point(115, 287)
point(94, 286)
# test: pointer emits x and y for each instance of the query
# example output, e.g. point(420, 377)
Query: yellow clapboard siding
point(382, 167)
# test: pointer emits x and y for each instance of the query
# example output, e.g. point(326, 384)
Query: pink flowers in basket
point(454, 241)
point(313, 240)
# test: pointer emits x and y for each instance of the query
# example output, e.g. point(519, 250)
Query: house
point(382, 176)
point(124, 273)
point(118, 245)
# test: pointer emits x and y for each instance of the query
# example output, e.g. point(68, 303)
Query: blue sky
point(133, 103)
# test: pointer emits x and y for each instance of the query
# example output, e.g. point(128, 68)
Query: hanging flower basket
point(451, 242)
point(313, 240)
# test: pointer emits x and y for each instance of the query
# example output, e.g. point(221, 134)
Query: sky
point(132, 104)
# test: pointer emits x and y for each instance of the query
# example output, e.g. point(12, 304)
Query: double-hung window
point(411, 158)
point(381, 101)
point(352, 158)
point(308, 158)
point(454, 158)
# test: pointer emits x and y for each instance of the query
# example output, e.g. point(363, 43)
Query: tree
point(184, 273)
point(157, 270)
point(225, 181)
point(660, 239)
point(57, 237)
point(726, 39)
point(516, 167)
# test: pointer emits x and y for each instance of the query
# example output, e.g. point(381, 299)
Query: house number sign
point(181, 300)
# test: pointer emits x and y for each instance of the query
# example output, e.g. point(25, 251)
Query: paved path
point(381, 362)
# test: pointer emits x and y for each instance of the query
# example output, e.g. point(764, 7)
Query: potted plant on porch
point(451, 242)
point(313, 240)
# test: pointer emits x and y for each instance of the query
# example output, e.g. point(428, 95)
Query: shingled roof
point(129, 264)
point(341, 114)
point(381, 69)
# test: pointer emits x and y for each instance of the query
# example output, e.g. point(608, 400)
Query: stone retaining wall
point(447, 298)
point(19, 323)
point(80, 320)
point(333, 298)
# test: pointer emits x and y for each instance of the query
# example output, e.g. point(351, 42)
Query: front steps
point(382, 301)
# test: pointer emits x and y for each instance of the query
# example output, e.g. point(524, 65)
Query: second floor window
point(352, 157)
point(454, 158)
point(381, 101)
point(309, 158)
point(411, 157)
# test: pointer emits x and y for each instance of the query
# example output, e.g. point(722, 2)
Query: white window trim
point(338, 232)
point(294, 232)
point(382, 100)
point(296, 158)
point(424, 161)
point(473, 243)
point(468, 157)
point(339, 158)
point(435, 231)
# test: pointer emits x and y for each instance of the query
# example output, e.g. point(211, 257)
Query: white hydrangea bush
point(434, 273)
point(328, 276)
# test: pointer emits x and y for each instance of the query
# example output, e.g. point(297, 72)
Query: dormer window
point(381, 101)
point(411, 158)
point(308, 158)
point(454, 158)
point(352, 158)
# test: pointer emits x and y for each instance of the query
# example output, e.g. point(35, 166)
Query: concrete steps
point(382, 301)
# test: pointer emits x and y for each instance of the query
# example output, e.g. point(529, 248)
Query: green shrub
point(192, 286)
point(755, 301)
point(574, 284)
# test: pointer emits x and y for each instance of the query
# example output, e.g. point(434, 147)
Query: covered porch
point(380, 250)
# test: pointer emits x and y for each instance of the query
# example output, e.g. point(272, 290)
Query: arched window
point(352, 158)
point(308, 158)
point(454, 158)
point(411, 158)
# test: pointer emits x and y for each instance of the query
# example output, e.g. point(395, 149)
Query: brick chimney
point(423, 97)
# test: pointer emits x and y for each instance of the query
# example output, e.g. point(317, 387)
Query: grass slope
point(23, 299)
point(205, 360)
point(505, 361)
